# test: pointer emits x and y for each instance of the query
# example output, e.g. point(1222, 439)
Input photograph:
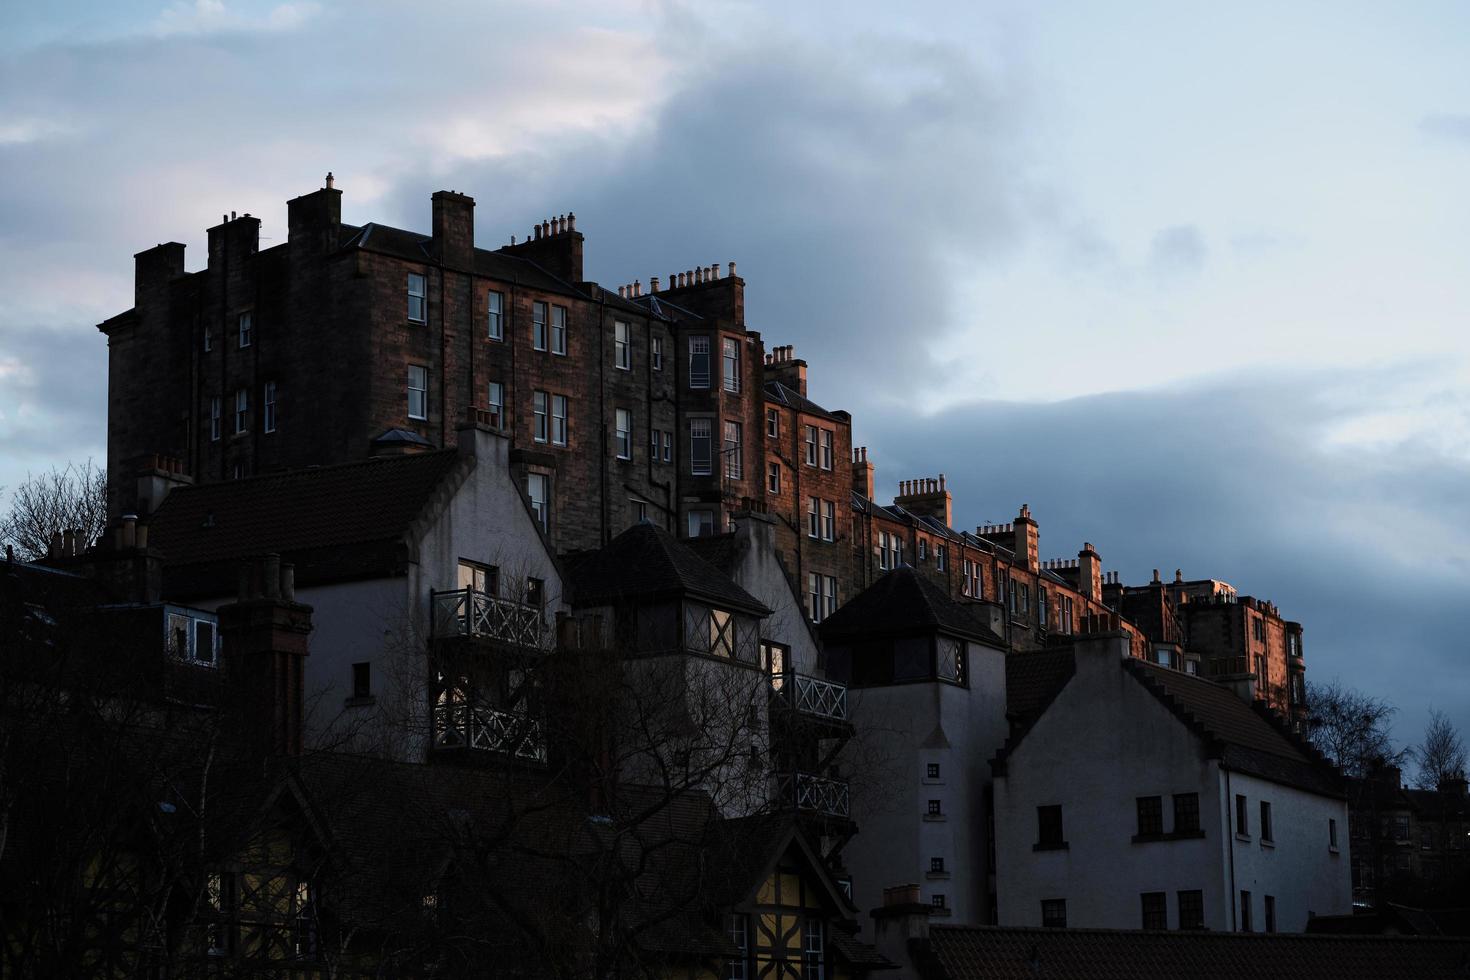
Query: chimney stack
point(453, 243)
point(1027, 539)
point(263, 638)
point(1089, 566)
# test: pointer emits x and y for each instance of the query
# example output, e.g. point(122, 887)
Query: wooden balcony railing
point(812, 695)
point(466, 612)
point(458, 725)
point(811, 793)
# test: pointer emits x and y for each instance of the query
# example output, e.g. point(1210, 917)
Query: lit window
point(418, 305)
point(701, 448)
point(270, 406)
point(699, 362)
point(214, 418)
point(721, 633)
point(730, 355)
point(622, 354)
point(537, 487)
point(558, 420)
point(657, 353)
point(539, 411)
point(247, 328)
point(623, 425)
point(418, 392)
point(495, 399)
point(734, 467)
point(558, 329)
point(773, 477)
point(495, 315)
point(242, 410)
point(538, 326)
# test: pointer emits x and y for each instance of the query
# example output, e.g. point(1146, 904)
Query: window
point(270, 406)
point(668, 438)
point(734, 466)
point(214, 419)
point(826, 437)
point(1186, 813)
point(1242, 817)
point(484, 579)
point(821, 596)
point(1245, 911)
point(242, 410)
point(701, 523)
point(1150, 817)
point(813, 520)
point(658, 353)
point(773, 423)
point(1266, 821)
point(208, 340)
point(558, 329)
point(1041, 617)
point(738, 930)
point(936, 866)
point(247, 327)
point(814, 956)
point(1054, 913)
point(701, 447)
point(204, 648)
point(418, 304)
point(362, 680)
point(923, 549)
point(831, 594)
point(883, 550)
point(699, 362)
point(539, 411)
point(730, 363)
point(558, 420)
point(970, 582)
point(535, 593)
point(773, 477)
point(1065, 625)
point(721, 633)
point(1049, 828)
point(811, 444)
point(941, 557)
point(495, 399)
point(935, 809)
point(623, 428)
point(1332, 833)
point(1155, 910)
point(931, 770)
point(537, 488)
point(640, 510)
point(538, 326)
point(829, 520)
point(495, 315)
point(622, 353)
point(1270, 913)
point(938, 902)
point(1192, 909)
point(418, 392)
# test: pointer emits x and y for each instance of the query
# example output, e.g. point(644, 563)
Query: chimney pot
point(271, 573)
point(622, 292)
point(288, 582)
point(1179, 575)
point(732, 270)
point(129, 531)
point(331, 181)
point(653, 284)
point(571, 221)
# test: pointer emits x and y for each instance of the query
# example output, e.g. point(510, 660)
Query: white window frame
point(423, 391)
point(696, 522)
point(813, 518)
point(773, 423)
point(495, 400)
point(216, 418)
point(730, 364)
point(242, 410)
point(941, 557)
point(541, 414)
point(622, 350)
point(829, 520)
point(699, 348)
point(418, 312)
point(701, 429)
point(733, 449)
point(539, 318)
point(623, 432)
point(810, 434)
point(559, 423)
point(668, 446)
point(495, 314)
point(657, 353)
point(268, 403)
point(825, 435)
point(883, 551)
point(559, 330)
point(831, 595)
point(540, 503)
point(245, 327)
point(773, 478)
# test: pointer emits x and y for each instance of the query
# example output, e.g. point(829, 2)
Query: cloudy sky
point(1190, 279)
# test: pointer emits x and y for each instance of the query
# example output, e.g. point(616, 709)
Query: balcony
point(811, 696)
point(813, 794)
point(478, 728)
point(467, 612)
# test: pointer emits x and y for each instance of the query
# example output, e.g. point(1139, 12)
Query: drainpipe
point(602, 404)
point(1230, 842)
point(664, 485)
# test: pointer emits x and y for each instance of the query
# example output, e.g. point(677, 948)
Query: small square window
point(1054, 913)
point(936, 865)
point(931, 771)
point(935, 808)
point(939, 902)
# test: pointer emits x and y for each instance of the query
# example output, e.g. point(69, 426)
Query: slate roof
point(645, 562)
point(1001, 953)
point(904, 600)
point(779, 393)
point(335, 523)
point(1033, 679)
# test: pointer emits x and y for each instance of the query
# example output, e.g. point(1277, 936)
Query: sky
point(1188, 279)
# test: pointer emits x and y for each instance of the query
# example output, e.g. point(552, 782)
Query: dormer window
point(191, 636)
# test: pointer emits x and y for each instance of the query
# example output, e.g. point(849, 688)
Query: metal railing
point(812, 695)
point(485, 729)
point(467, 612)
point(816, 794)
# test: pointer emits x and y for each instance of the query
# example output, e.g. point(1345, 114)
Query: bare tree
point(1441, 755)
point(73, 498)
point(1351, 728)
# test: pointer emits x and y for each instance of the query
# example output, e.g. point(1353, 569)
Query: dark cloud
point(1236, 479)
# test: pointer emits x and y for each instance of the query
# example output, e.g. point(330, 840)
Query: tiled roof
point(1033, 679)
point(1000, 953)
point(904, 600)
point(414, 246)
point(779, 393)
point(646, 561)
point(333, 522)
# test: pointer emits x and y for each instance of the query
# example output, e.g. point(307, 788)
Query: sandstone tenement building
point(636, 403)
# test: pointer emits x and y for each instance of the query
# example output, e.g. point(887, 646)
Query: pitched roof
point(1033, 679)
point(646, 561)
point(334, 522)
point(1003, 953)
point(1247, 738)
point(904, 600)
point(779, 393)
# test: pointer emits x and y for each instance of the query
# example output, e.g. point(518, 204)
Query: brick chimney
point(1089, 566)
point(1028, 540)
point(901, 926)
point(154, 269)
point(704, 290)
point(926, 497)
point(156, 475)
point(314, 221)
point(263, 642)
point(232, 242)
point(784, 366)
point(862, 472)
point(556, 245)
point(454, 230)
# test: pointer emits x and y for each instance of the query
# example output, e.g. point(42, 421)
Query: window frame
point(494, 315)
point(268, 407)
point(422, 389)
point(809, 434)
point(1155, 919)
point(1050, 828)
point(773, 477)
point(245, 329)
point(242, 411)
point(701, 466)
point(495, 403)
point(623, 433)
point(422, 295)
point(560, 423)
point(733, 449)
point(773, 423)
point(540, 507)
point(826, 438)
point(1150, 812)
point(696, 372)
point(1054, 913)
point(622, 347)
point(540, 325)
point(730, 365)
point(559, 330)
point(541, 416)
point(216, 418)
point(656, 352)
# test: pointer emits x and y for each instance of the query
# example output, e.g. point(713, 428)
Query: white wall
point(901, 729)
point(759, 573)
